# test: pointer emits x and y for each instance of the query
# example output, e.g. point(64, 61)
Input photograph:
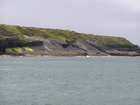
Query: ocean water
point(69, 80)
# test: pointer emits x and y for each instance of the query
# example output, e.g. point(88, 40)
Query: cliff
point(30, 41)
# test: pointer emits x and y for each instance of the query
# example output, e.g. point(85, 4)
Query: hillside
point(18, 39)
point(19, 32)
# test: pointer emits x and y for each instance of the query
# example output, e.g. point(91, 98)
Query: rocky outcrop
point(123, 47)
point(2, 46)
point(66, 48)
point(62, 42)
point(13, 42)
point(81, 47)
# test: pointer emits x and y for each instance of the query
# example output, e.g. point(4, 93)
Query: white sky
point(100, 17)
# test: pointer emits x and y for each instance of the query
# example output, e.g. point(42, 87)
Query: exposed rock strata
point(77, 47)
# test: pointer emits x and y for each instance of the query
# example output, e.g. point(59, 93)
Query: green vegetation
point(28, 49)
point(19, 50)
point(13, 31)
point(1, 36)
point(112, 40)
point(9, 50)
point(19, 32)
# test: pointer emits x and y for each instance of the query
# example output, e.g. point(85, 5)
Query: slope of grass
point(113, 40)
point(13, 31)
point(19, 32)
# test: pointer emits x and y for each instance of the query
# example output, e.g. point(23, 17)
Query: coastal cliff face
point(14, 40)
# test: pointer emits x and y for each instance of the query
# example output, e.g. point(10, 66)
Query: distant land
point(32, 41)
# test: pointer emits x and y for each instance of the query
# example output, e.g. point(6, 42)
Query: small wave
point(79, 56)
point(6, 69)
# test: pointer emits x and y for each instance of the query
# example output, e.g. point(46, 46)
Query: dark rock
point(123, 47)
point(78, 46)
point(13, 42)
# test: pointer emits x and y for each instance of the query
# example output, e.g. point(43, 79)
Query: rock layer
point(78, 47)
point(57, 42)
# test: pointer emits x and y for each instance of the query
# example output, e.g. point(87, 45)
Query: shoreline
point(71, 54)
point(54, 42)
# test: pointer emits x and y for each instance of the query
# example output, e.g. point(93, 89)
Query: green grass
point(19, 32)
point(13, 31)
point(113, 40)
point(46, 33)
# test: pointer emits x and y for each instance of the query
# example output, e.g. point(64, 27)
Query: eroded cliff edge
point(30, 41)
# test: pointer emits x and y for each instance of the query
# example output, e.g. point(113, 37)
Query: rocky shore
point(55, 47)
point(31, 41)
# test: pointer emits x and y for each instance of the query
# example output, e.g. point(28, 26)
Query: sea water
point(69, 80)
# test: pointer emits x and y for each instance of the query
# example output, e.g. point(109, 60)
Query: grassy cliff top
point(19, 32)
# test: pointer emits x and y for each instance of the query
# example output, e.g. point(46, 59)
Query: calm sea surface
point(70, 81)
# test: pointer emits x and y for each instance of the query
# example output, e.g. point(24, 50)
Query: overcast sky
point(100, 17)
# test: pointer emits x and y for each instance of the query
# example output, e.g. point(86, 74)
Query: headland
point(32, 41)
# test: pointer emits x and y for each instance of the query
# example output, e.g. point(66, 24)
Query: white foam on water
point(6, 69)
